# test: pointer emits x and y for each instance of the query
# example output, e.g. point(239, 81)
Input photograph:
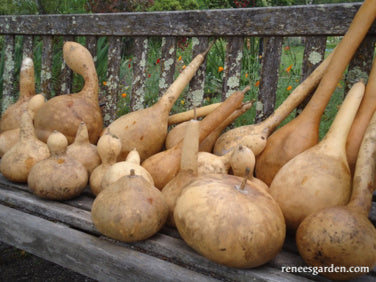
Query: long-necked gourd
point(176, 134)
point(255, 136)
point(320, 176)
point(64, 113)
point(362, 118)
point(11, 118)
point(302, 132)
point(146, 129)
point(343, 236)
point(188, 169)
point(164, 165)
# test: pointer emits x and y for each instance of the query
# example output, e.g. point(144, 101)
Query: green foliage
point(174, 5)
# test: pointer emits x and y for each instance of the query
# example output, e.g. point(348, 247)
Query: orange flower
point(289, 88)
point(246, 75)
point(183, 67)
point(257, 83)
point(179, 59)
point(124, 95)
point(287, 48)
point(288, 69)
point(220, 69)
point(104, 82)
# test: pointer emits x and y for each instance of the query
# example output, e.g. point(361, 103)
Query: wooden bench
point(63, 232)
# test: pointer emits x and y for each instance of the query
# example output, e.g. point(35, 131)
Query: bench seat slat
point(87, 254)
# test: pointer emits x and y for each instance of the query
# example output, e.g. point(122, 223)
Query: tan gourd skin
point(64, 113)
point(12, 116)
point(9, 138)
point(343, 235)
point(193, 113)
point(176, 134)
point(188, 169)
point(210, 163)
point(17, 162)
point(58, 177)
point(119, 169)
point(303, 132)
point(164, 166)
point(362, 118)
point(320, 176)
point(255, 136)
point(109, 147)
point(146, 129)
point(82, 150)
point(237, 226)
point(242, 162)
point(129, 210)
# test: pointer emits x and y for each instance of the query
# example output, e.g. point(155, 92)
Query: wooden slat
point(27, 48)
point(271, 59)
point(168, 54)
point(232, 66)
point(268, 21)
point(196, 86)
point(314, 51)
point(8, 96)
point(139, 73)
point(66, 74)
point(112, 91)
point(86, 254)
point(46, 69)
point(361, 64)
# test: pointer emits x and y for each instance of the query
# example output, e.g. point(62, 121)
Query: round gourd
point(129, 210)
point(58, 177)
point(230, 221)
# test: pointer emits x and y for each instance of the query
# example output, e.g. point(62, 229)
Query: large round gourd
point(230, 221)
point(129, 210)
point(58, 177)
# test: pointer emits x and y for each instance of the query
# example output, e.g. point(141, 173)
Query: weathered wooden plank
point(168, 55)
point(59, 211)
point(87, 254)
point(314, 51)
point(267, 21)
point(232, 66)
point(139, 73)
point(361, 64)
point(113, 82)
point(8, 96)
point(66, 74)
point(196, 85)
point(271, 59)
point(27, 46)
point(46, 69)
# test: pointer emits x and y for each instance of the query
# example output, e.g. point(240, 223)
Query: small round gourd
point(58, 177)
point(129, 210)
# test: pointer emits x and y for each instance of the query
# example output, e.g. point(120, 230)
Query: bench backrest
point(312, 23)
